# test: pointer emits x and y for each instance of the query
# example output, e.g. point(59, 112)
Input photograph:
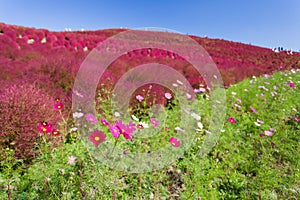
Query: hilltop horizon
point(152, 29)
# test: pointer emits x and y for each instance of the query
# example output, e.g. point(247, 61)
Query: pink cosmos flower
point(91, 118)
point(262, 135)
point(296, 118)
point(127, 130)
point(71, 160)
point(268, 133)
point(253, 109)
point(239, 100)
point(174, 142)
point(114, 130)
point(231, 120)
point(275, 87)
point(77, 93)
point(97, 137)
point(139, 97)
point(104, 122)
point(140, 126)
point(154, 122)
point(131, 126)
point(168, 95)
point(238, 106)
point(58, 106)
point(199, 90)
point(55, 132)
point(291, 84)
point(45, 127)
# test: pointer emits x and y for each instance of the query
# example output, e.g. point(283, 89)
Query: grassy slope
point(242, 165)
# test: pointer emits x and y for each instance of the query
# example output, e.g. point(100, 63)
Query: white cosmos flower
point(200, 126)
point(117, 114)
point(179, 82)
point(73, 129)
point(196, 116)
point(77, 115)
point(179, 129)
point(257, 124)
point(134, 118)
point(145, 125)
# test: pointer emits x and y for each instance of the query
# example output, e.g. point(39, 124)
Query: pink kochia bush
point(22, 108)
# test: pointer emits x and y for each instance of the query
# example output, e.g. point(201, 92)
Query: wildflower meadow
point(64, 137)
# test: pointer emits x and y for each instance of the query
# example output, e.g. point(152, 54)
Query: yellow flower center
point(123, 131)
point(97, 138)
point(44, 129)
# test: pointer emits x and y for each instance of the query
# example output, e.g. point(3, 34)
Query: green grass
point(241, 165)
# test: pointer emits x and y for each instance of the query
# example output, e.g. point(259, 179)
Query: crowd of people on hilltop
point(280, 49)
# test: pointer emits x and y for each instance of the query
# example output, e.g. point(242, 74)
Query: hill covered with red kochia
point(53, 58)
point(37, 65)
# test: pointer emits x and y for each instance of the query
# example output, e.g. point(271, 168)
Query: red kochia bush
point(22, 107)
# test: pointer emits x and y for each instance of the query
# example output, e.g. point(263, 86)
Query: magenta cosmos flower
point(91, 118)
point(97, 137)
point(55, 132)
point(174, 142)
point(231, 120)
point(126, 130)
point(44, 127)
point(104, 122)
point(114, 130)
point(292, 85)
point(59, 106)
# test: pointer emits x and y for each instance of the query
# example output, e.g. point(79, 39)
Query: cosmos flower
point(58, 106)
point(71, 160)
point(168, 95)
point(77, 115)
point(139, 97)
point(231, 120)
point(268, 133)
point(174, 142)
point(55, 132)
point(114, 130)
point(97, 137)
point(253, 109)
point(154, 122)
point(91, 118)
point(45, 127)
point(104, 122)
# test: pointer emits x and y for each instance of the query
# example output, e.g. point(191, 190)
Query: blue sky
point(267, 23)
